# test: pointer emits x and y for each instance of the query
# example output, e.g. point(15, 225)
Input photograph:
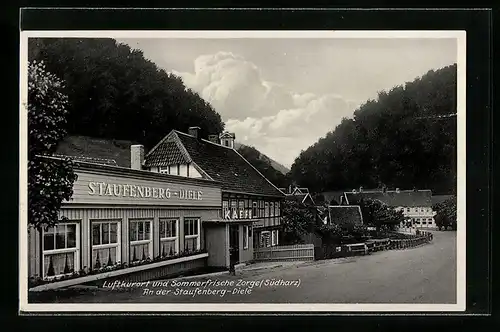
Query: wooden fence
point(298, 252)
point(372, 245)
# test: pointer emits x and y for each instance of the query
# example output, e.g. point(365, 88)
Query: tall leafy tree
point(377, 214)
point(446, 213)
point(398, 140)
point(298, 220)
point(50, 181)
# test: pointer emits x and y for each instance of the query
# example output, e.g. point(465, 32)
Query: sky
point(282, 95)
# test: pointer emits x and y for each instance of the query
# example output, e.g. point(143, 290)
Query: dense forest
point(406, 138)
point(264, 165)
point(114, 92)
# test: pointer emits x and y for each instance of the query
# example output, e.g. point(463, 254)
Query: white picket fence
point(298, 252)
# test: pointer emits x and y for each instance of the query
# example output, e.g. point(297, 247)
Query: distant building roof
point(96, 150)
point(99, 161)
point(217, 162)
point(302, 198)
point(436, 199)
point(345, 214)
point(334, 196)
point(405, 198)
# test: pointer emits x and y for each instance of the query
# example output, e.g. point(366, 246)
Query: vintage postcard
point(250, 171)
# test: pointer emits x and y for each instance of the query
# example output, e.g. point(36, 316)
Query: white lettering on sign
point(132, 190)
point(247, 214)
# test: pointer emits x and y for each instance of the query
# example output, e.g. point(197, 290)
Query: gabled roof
point(302, 198)
point(96, 150)
point(217, 162)
point(345, 214)
point(403, 198)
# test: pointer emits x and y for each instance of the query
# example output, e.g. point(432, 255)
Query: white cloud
point(270, 117)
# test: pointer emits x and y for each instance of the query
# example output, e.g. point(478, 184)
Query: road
point(426, 274)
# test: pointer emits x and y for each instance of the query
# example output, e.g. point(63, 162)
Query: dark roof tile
point(83, 147)
point(167, 153)
point(220, 163)
point(345, 215)
point(404, 198)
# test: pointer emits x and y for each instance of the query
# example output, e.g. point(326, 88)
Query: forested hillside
point(398, 140)
point(274, 163)
point(263, 164)
point(114, 92)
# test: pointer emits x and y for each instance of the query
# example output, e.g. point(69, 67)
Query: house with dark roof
point(300, 195)
point(247, 196)
point(345, 215)
point(416, 205)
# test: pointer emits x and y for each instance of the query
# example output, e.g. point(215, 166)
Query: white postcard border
point(460, 36)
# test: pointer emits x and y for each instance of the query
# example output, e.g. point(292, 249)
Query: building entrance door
point(234, 244)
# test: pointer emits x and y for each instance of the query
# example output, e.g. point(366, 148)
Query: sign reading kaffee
point(242, 214)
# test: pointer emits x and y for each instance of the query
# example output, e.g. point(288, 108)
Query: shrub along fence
point(401, 242)
point(297, 252)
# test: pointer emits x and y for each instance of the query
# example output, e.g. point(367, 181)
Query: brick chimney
point(227, 139)
point(213, 138)
point(194, 131)
point(136, 156)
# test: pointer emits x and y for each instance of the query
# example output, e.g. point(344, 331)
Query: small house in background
point(345, 215)
point(301, 195)
point(416, 205)
point(334, 197)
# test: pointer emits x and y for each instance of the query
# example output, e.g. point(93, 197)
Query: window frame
point(75, 250)
point(274, 237)
point(140, 242)
point(175, 238)
point(246, 237)
point(197, 236)
point(118, 244)
point(261, 240)
point(164, 169)
point(255, 209)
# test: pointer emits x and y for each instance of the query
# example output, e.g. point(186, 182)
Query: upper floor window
point(164, 170)
point(254, 209)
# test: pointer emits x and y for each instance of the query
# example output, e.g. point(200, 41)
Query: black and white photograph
point(167, 171)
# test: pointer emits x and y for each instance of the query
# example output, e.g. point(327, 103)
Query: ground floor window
point(246, 231)
point(60, 249)
point(105, 243)
point(191, 234)
point(265, 239)
point(141, 244)
point(274, 237)
point(169, 239)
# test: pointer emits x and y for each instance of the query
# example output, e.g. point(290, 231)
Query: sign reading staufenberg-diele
point(93, 188)
point(132, 190)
